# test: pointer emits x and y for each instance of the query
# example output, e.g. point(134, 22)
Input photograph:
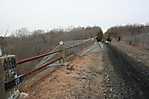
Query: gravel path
point(81, 79)
point(124, 77)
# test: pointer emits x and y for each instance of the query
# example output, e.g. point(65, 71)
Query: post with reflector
point(63, 51)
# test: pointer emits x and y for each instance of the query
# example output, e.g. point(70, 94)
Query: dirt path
point(111, 72)
point(81, 79)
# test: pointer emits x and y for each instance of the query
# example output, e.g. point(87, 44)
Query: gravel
point(118, 77)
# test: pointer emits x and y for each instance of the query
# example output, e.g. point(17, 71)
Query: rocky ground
point(119, 71)
point(125, 76)
point(81, 79)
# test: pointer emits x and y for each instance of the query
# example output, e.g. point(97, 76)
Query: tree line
point(26, 44)
point(136, 34)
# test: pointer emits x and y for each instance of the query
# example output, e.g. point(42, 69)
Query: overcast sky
point(48, 14)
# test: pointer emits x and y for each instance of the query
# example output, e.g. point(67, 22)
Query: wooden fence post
point(2, 79)
point(8, 77)
point(63, 51)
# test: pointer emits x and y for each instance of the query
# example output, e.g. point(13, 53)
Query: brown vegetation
point(136, 35)
point(83, 81)
point(25, 44)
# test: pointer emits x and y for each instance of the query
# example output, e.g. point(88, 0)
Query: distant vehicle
point(99, 37)
point(108, 40)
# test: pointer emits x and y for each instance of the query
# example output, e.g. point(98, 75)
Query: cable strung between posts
point(46, 54)
point(41, 67)
point(36, 57)
point(21, 78)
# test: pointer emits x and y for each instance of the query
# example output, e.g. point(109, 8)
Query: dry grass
point(83, 81)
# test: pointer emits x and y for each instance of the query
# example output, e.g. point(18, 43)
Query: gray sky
point(48, 14)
